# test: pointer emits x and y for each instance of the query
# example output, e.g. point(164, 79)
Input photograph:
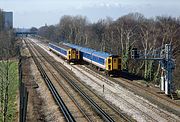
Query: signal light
point(134, 53)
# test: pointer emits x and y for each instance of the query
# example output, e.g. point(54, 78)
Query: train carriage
point(69, 53)
point(110, 63)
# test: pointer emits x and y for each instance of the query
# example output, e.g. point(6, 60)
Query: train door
point(77, 55)
point(119, 63)
point(109, 64)
point(116, 63)
point(69, 54)
point(73, 54)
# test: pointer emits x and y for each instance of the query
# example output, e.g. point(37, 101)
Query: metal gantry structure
point(164, 56)
point(25, 34)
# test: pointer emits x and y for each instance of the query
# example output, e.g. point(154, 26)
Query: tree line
point(7, 40)
point(1, 20)
point(120, 36)
point(8, 72)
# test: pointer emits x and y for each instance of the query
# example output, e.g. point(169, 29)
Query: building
point(8, 20)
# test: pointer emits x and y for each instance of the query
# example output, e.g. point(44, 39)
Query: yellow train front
point(68, 53)
point(113, 65)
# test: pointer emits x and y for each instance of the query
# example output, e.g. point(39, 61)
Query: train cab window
point(109, 66)
point(109, 61)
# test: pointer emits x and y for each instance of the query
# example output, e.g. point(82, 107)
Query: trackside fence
point(23, 94)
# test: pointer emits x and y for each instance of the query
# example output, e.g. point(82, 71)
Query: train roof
point(73, 46)
point(102, 54)
point(61, 45)
point(89, 50)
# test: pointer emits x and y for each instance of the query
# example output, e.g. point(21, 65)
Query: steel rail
point(67, 114)
point(120, 113)
point(72, 98)
point(98, 109)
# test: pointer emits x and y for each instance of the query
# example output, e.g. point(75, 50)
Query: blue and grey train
point(108, 62)
point(69, 53)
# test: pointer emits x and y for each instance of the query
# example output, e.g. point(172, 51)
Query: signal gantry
point(167, 63)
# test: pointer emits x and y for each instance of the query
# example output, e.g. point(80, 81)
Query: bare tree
point(7, 51)
point(121, 35)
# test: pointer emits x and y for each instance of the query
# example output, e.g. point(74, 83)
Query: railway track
point(68, 97)
point(161, 113)
point(85, 93)
point(115, 94)
point(162, 97)
point(68, 116)
point(91, 116)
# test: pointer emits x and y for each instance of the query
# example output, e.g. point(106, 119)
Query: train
point(110, 63)
point(68, 53)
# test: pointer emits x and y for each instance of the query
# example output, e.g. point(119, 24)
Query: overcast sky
point(28, 13)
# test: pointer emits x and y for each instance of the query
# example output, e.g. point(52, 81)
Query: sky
point(37, 13)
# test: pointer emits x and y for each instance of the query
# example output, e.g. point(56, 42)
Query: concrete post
point(166, 85)
point(162, 80)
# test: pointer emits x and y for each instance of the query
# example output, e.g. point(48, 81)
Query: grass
point(13, 88)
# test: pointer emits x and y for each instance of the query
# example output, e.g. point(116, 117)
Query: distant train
point(108, 62)
point(69, 53)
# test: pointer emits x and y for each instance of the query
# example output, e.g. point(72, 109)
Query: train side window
point(114, 60)
point(101, 60)
point(109, 61)
point(69, 52)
